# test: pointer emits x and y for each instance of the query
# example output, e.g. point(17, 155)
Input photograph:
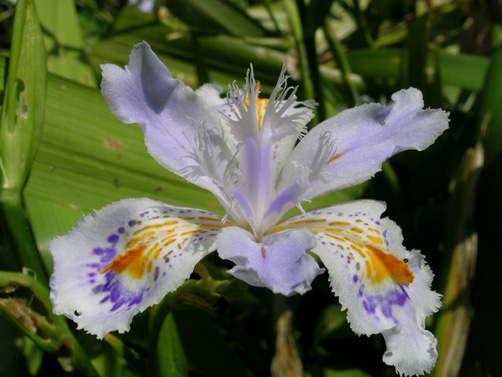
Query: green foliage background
point(63, 154)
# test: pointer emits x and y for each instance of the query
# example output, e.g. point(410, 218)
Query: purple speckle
point(361, 291)
point(377, 222)
point(136, 300)
point(392, 298)
point(355, 278)
point(117, 305)
point(98, 251)
point(105, 299)
point(107, 258)
point(396, 297)
point(91, 274)
point(132, 222)
point(109, 275)
point(92, 281)
point(121, 230)
point(114, 294)
point(93, 265)
point(113, 238)
point(369, 304)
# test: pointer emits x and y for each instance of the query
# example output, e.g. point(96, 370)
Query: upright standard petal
point(350, 147)
point(169, 112)
point(279, 262)
point(126, 257)
point(365, 259)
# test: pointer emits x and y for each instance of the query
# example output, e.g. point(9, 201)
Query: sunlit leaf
point(63, 41)
point(170, 358)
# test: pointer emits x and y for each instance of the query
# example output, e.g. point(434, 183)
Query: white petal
point(359, 140)
point(127, 257)
point(365, 257)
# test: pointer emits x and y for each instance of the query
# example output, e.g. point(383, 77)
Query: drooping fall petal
point(382, 293)
point(126, 257)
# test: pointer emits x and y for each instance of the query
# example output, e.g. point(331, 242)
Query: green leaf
point(200, 13)
point(134, 360)
point(64, 42)
point(170, 359)
point(420, 67)
point(345, 373)
point(21, 122)
point(490, 113)
point(23, 107)
point(464, 71)
point(33, 355)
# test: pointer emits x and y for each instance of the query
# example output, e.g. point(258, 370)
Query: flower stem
point(14, 222)
point(286, 361)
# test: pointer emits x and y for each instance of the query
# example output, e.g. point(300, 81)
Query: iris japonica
point(130, 254)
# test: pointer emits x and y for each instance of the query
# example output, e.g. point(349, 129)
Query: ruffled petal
point(211, 94)
point(169, 112)
point(411, 348)
point(126, 257)
point(365, 259)
point(350, 147)
point(279, 262)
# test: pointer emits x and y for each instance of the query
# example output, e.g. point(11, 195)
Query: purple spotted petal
point(382, 294)
point(126, 257)
point(279, 262)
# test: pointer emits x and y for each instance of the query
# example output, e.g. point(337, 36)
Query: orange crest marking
point(358, 236)
point(151, 241)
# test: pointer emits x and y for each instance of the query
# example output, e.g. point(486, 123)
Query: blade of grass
point(295, 24)
point(342, 61)
point(226, 15)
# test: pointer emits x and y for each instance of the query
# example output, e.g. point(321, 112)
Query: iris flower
point(244, 149)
